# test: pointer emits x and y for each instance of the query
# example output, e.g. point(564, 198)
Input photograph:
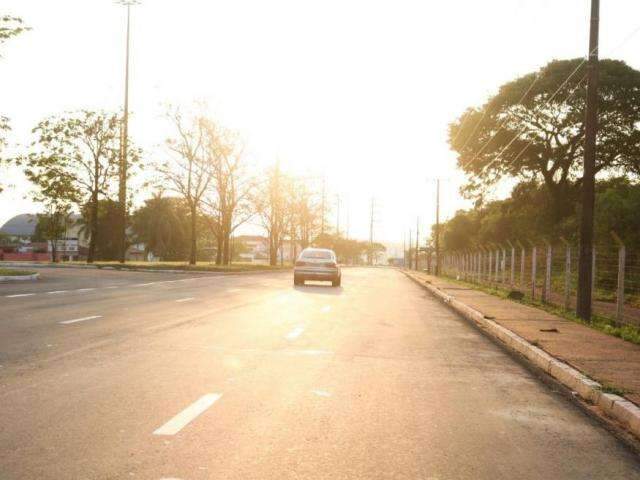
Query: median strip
point(83, 319)
point(187, 415)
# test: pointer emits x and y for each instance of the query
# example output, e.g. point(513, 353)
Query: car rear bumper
point(316, 274)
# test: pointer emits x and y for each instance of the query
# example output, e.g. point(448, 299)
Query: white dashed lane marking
point(20, 295)
point(57, 291)
point(187, 415)
point(83, 319)
point(321, 393)
point(295, 333)
point(326, 309)
point(188, 299)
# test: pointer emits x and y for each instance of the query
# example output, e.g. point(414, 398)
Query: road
point(109, 375)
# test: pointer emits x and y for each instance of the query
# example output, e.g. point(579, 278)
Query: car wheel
point(298, 281)
point(336, 283)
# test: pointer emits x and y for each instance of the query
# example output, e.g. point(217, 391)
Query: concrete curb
point(614, 406)
point(147, 270)
point(19, 278)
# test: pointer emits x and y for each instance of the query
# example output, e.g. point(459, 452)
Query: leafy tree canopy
point(10, 27)
point(526, 216)
point(533, 129)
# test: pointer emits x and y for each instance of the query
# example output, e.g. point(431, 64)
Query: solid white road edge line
point(295, 333)
point(76, 320)
point(321, 393)
point(187, 415)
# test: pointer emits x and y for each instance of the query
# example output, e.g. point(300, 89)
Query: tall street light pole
point(585, 271)
point(437, 239)
point(124, 147)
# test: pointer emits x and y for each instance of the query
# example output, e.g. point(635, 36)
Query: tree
point(58, 195)
point(305, 212)
point(162, 224)
point(228, 199)
point(107, 244)
point(81, 151)
point(187, 172)
point(533, 130)
point(9, 27)
point(4, 128)
point(270, 205)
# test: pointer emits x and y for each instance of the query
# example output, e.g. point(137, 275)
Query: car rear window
point(319, 254)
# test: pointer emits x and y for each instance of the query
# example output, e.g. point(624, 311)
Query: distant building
point(18, 243)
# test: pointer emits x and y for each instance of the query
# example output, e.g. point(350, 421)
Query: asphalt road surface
point(109, 375)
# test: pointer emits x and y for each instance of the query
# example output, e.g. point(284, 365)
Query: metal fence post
point(490, 264)
point(622, 253)
point(533, 270)
point(513, 265)
point(546, 292)
point(483, 266)
point(504, 264)
point(523, 254)
point(567, 274)
point(593, 275)
point(496, 273)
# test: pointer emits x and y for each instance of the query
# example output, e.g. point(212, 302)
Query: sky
point(360, 91)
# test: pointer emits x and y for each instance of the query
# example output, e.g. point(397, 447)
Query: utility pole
point(124, 140)
point(404, 250)
point(370, 259)
point(338, 216)
point(585, 271)
point(437, 239)
point(323, 206)
point(348, 215)
point(417, 240)
point(409, 252)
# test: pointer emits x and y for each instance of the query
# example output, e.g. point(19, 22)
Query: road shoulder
point(574, 355)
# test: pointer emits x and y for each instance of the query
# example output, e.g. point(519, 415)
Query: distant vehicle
point(317, 264)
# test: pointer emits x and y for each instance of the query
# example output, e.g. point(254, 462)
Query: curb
point(19, 278)
point(614, 406)
point(147, 270)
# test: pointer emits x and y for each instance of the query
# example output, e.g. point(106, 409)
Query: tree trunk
point(54, 251)
point(273, 252)
point(225, 248)
point(219, 249)
point(93, 226)
point(194, 247)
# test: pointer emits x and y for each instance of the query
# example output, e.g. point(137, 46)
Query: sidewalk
point(609, 360)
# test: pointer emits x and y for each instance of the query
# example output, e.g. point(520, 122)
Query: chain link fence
point(547, 272)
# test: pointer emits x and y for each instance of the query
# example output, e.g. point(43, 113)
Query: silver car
point(317, 264)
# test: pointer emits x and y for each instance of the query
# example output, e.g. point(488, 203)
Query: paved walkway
point(608, 360)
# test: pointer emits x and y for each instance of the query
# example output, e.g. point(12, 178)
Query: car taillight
point(300, 264)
